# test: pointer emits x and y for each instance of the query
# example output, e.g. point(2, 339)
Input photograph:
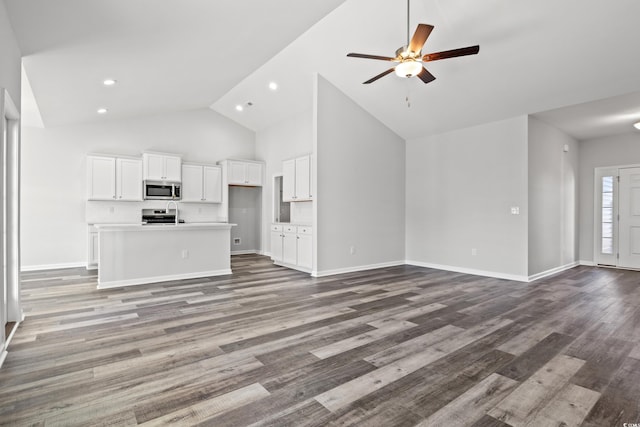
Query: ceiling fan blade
point(463, 51)
point(384, 73)
point(426, 76)
point(419, 37)
point(365, 56)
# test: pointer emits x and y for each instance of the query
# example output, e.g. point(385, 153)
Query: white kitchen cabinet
point(296, 179)
point(276, 243)
point(92, 248)
point(201, 183)
point(128, 179)
point(114, 178)
point(304, 247)
point(289, 245)
point(292, 246)
point(101, 178)
point(162, 167)
point(244, 173)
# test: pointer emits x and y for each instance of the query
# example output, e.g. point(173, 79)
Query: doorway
point(617, 216)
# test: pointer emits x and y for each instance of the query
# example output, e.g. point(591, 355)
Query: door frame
point(599, 173)
point(11, 223)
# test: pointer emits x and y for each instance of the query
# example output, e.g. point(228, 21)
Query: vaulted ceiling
point(184, 54)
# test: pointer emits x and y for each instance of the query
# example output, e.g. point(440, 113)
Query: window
point(607, 215)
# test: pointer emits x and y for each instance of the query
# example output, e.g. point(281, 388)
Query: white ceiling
point(167, 55)
point(182, 54)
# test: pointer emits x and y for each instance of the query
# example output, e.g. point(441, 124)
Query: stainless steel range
point(159, 216)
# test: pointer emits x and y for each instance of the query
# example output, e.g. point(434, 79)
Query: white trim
point(473, 271)
point(587, 263)
point(323, 273)
point(3, 356)
point(553, 271)
point(293, 267)
point(148, 280)
point(245, 252)
point(53, 266)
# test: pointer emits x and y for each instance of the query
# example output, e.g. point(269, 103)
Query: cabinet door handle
point(114, 197)
point(120, 197)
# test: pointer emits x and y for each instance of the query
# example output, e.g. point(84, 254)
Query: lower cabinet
point(292, 246)
point(92, 249)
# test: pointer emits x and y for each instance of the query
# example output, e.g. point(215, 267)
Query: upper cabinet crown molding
point(162, 167)
point(243, 172)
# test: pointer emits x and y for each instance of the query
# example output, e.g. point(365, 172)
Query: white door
point(212, 184)
point(288, 180)
point(290, 248)
point(191, 183)
point(303, 178)
point(305, 249)
point(129, 179)
point(254, 174)
point(153, 167)
point(102, 178)
point(629, 210)
point(237, 172)
point(172, 168)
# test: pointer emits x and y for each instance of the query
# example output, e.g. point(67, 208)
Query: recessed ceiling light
point(273, 86)
point(102, 111)
point(109, 82)
point(637, 125)
point(239, 108)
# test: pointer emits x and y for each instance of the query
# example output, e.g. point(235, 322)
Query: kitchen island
point(134, 254)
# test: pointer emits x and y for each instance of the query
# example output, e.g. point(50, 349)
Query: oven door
point(158, 191)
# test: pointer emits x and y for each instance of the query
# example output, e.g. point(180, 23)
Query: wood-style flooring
point(398, 346)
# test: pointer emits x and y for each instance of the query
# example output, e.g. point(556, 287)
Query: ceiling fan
point(409, 58)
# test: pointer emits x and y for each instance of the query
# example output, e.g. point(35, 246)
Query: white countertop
point(168, 227)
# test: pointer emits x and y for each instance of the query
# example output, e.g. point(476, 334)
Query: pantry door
point(629, 224)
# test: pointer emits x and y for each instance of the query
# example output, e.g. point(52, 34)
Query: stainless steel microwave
point(154, 190)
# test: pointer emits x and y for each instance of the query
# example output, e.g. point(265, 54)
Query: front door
point(629, 211)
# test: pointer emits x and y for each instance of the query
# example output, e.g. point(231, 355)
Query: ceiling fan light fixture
point(408, 68)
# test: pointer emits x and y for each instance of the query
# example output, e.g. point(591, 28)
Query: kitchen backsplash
point(105, 212)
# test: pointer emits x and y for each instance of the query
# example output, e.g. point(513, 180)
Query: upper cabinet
point(201, 183)
point(242, 172)
point(162, 167)
point(296, 179)
point(114, 178)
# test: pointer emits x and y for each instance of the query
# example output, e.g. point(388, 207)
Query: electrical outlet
point(474, 251)
point(112, 209)
point(236, 241)
point(185, 254)
point(352, 250)
point(515, 210)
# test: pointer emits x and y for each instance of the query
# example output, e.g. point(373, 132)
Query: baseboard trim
point(245, 252)
point(553, 271)
point(323, 273)
point(494, 274)
point(148, 280)
point(53, 266)
point(587, 263)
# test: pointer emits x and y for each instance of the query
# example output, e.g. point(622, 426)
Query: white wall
point(360, 186)
point(288, 139)
point(54, 171)
point(616, 150)
point(460, 188)
point(9, 58)
point(553, 198)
